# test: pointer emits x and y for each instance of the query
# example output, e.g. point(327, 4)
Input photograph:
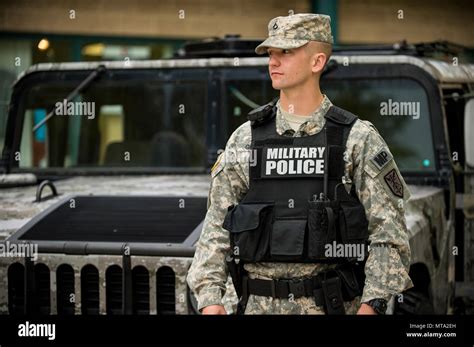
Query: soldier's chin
point(276, 85)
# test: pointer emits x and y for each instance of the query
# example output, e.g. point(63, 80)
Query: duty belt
point(330, 289)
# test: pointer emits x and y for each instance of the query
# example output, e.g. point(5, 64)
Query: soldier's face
point(289, 68)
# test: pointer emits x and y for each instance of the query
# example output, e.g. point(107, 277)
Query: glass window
point(399, 110)
point(397, 107)
point(243, 96)
point(115, 124)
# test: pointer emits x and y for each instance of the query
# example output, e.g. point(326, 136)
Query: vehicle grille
point(65, 290)
point(113, 286)
point(89, 290)
point(165, 288)
point(16, 289)
point(39, 293)
point(42, 302)
point(141, 290)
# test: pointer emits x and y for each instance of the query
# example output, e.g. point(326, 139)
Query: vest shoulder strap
point(263, 113)
point(340, 116)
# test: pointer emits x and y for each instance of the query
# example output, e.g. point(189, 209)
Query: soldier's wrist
point(378, 305)
point(209, 297)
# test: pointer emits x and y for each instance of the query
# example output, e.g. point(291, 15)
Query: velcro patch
point(394, 183)
point(381, 159)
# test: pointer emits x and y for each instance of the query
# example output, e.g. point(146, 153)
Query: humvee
point(105, 170)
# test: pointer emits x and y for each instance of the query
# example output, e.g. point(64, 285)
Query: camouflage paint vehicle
point(126, 150)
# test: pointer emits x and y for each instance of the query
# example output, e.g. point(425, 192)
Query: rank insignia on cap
point(394, 183)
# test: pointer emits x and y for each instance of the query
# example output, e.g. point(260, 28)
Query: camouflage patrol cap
point(296, 30)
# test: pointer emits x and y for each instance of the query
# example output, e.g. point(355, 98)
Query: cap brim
point(277, 42)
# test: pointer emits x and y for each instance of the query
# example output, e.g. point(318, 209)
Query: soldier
point(299, 192)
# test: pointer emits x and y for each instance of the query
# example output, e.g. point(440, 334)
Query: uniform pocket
point(249, 227)
point(353, 223)
point(287, 238)
point(322, 219)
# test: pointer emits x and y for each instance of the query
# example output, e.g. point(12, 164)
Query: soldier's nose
point(273, 61)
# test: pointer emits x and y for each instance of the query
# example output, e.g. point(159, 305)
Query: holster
point(332, 291)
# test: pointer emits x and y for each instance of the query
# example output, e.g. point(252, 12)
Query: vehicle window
point(243, 96)
point(399, 110)
point(116, 124)
point(397, 107)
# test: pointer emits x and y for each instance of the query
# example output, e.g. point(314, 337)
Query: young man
point(319, 177)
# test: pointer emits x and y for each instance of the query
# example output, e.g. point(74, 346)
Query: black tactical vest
point(297, 208)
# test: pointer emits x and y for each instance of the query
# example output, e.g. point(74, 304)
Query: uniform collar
point(312, 126)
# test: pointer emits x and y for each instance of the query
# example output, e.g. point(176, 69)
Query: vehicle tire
point(414, 302)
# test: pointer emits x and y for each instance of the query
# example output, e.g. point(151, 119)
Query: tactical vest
point(297, 209)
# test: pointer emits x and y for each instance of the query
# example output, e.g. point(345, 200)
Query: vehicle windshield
point(155, 122)
point(169, 119)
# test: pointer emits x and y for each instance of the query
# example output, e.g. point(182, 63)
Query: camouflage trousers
point(304, 305)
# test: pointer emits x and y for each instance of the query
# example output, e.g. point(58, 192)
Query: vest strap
point(340, 116)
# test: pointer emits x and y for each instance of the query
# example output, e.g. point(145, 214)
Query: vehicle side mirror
point(469, 132)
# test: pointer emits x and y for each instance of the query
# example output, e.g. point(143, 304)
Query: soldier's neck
point(301, 101)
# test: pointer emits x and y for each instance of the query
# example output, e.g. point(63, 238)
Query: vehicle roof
point(442, 71)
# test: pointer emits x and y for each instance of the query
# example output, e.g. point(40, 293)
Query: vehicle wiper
point(86, 82)
point(242, 98)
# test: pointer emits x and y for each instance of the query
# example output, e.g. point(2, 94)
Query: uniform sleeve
point(208, 273)
point(383, 192)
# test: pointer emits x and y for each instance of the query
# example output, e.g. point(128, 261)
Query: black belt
point(291, 288)
point(329, 288)
point(283, 288)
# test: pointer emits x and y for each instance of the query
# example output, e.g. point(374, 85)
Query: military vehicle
point(105, 170)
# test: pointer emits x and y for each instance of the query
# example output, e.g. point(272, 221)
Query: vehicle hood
point(17, 204)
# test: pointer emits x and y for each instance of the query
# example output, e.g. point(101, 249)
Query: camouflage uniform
point(380, 189)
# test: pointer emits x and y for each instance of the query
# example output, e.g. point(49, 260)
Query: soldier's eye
point(286, 51)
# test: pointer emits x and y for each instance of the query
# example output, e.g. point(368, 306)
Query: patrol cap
point(296, 30)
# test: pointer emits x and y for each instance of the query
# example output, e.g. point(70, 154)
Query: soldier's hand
point(214, 309)
point(366, 309)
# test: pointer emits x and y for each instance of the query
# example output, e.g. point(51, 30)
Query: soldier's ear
point(318, 61)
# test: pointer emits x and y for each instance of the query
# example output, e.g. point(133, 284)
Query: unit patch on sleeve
point(394, 183)
point(381, 158)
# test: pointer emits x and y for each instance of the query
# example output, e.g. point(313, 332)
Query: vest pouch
point(354, 225)
point(287, 240)
point(249, 227)
point(322, 224)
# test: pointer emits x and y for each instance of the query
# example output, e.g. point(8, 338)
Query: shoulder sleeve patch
point(218, 165)
point(394, 183)
point(381, 158)
point(389, 177)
